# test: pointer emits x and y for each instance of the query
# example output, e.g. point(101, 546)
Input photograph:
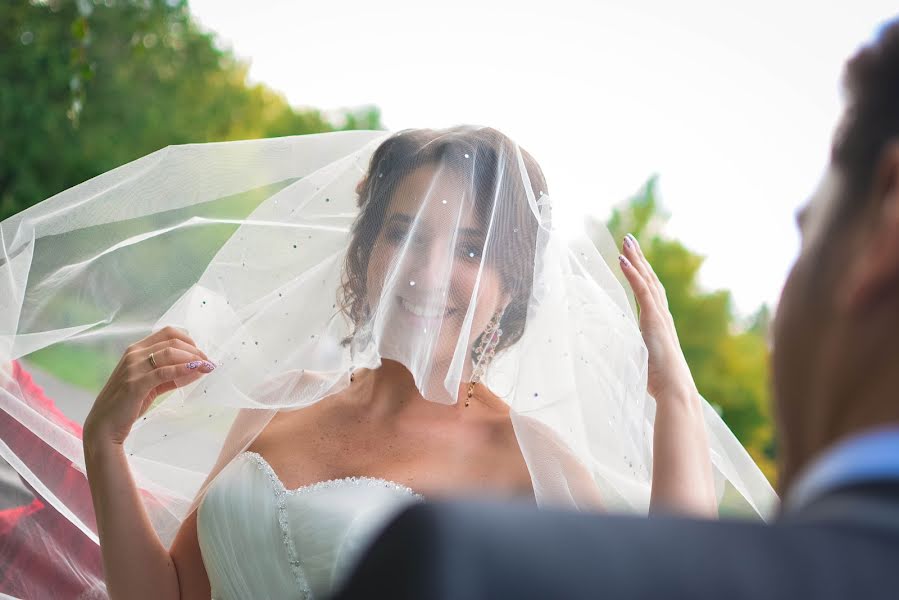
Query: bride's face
point(430, 244)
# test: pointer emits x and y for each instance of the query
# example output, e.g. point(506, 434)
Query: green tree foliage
point(90, 85)
point(728, 358)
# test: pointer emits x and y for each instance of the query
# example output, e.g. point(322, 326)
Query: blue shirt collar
point(867, 457)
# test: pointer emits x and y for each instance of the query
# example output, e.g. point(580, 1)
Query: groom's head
point(836, 350)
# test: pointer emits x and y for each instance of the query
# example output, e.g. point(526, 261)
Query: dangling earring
point(484, 352)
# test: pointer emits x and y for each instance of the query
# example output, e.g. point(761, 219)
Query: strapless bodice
point(261, 540)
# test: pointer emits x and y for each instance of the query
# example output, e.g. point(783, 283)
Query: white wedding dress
point(260, 540)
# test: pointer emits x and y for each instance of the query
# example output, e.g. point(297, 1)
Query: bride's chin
point(401, 333)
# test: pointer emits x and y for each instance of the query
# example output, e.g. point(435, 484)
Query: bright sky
point(732, 103)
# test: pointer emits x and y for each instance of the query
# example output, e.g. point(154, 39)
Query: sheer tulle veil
point(293, 262)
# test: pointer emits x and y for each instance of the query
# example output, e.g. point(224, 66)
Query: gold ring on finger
point(152, 360)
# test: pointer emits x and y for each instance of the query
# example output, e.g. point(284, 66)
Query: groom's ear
point(873, 274)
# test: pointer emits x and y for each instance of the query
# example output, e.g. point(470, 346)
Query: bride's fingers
point(173, 363)
point(174, 368)
point(645, 298)
point(631, 250)
point(652, 280)
point(646, 268)
point(652, 272)
point(162, 350)
point(166, 333)
point(660, 292)
point(183, 361)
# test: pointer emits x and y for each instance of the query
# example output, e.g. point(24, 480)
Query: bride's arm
point(682, 470)
point(682, 479)
point(136, 563)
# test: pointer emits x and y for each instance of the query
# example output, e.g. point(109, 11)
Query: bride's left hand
point(669, 376)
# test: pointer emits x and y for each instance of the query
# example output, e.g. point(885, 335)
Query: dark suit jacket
point(844, 545)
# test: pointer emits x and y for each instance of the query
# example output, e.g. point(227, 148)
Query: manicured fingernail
point(627, 241)
point(203, 365)
point(631, 237)
point(624, 261)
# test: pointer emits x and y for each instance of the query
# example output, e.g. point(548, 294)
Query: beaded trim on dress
point(356, 479)
point(282, 493)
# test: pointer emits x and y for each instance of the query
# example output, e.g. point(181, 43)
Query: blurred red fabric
point(42, 554)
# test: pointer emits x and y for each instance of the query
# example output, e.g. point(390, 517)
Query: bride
point(398, 319)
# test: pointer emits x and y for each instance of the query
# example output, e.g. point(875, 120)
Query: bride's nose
point(431, 267)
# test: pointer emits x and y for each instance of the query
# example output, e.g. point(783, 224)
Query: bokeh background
point(698, 126)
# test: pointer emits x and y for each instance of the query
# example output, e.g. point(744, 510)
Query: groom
point(836, 384)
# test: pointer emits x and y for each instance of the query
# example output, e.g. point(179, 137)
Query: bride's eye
point(396, 235)
point(470, 251)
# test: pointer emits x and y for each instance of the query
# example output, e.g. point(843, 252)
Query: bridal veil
point(294, 261)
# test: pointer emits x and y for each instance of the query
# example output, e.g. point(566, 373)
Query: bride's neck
point(390, 390)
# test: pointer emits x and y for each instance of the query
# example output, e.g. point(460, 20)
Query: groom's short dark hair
point(871, 119)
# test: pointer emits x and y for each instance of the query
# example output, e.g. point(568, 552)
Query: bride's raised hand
point(682, 478)
point(669, 376)
point(136, 382)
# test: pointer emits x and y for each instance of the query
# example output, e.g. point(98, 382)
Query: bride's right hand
point(135, 383)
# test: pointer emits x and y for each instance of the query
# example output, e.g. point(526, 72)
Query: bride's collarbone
point(341, 425)
point(303, 449)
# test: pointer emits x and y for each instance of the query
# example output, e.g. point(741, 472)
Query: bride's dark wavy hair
point(490, 161)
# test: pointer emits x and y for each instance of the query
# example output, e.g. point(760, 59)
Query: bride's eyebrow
point(399, 219)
